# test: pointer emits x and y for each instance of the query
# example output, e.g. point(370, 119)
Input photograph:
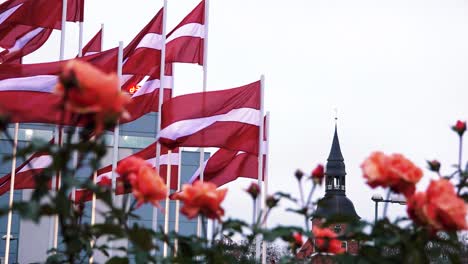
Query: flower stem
point(301, 192)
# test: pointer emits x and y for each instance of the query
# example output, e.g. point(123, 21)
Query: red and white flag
point(25, 173)
point(104, 175)
point(39, 13)
point(227, 165)
point(143, 54)
point(145, 98)
point(228, 119)
point(33, 85)
point(185, 41)
point(94, 45)
point(25, 44)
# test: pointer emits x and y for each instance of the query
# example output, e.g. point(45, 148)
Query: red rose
point(326, 241)
point(459, 127)
point(89, 90)
point(394, 171)
point(148, 186)
point(439, 208)
point(201, 198)
point(318, 173)
point(297, 237)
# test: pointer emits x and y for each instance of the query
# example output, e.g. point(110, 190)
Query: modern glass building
point(31, 241)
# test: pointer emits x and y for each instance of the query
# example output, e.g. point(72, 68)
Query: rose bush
point(428, 235)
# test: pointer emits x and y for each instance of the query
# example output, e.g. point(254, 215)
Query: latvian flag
point(25, 173)
point(226, 119)
point(227, 165)
point(94, 45)
point(185, 42)
point(104, 175)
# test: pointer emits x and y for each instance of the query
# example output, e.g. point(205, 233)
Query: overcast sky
point(396, 70)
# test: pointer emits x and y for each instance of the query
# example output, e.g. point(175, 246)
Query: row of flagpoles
point(124, 59)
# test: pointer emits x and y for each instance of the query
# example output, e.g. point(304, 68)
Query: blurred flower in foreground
point(439, 208)
point(130, 165)
point(298, 239)
point(201, 198)
point(147, 185)
point(318, 173)
point(459, 127)
point(86, 89)
point(326, 241)
point(394, 171)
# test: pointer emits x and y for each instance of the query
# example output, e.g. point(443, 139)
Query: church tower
point(335, 202)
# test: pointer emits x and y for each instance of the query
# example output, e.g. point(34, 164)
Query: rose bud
point(271, 201)
point(459, 127)
point(298, 174)
point(318, 173)
point(253, 190)
point(434, 165)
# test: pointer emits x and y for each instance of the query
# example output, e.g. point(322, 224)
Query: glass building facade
point(31, 241)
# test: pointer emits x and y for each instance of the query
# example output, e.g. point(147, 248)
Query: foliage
point(400, 241)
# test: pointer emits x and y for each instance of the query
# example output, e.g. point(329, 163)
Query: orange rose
point(394, 171)
point(439, 208)
point(326, 241)
point(89, 90)
point(130, 165)
point(148, 186)
point(201, 198)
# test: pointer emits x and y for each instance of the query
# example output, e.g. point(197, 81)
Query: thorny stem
point(308, 206)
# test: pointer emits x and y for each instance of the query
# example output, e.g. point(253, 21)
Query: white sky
point(396, 70)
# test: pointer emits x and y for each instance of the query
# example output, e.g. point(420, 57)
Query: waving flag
point(39, 13)
point(25, 173)
point(185, 41)
point(143, 54)
point(94, 45)
point(227, 165)
point(227, 119)
point(33, 85)
point(25, 44)
point(145, 98)
point(149, 154)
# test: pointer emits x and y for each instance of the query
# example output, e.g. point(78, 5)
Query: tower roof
point(335, 202)
point(335, 164)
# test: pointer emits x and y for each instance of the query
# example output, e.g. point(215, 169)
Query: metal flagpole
point(265, 178)
point(260, 164)
point(80, 40)
point(115, 147)
point(205, 75)
point(177, 205)
point(58, 131)
point(161, 95)
point(12, 190)
point(166, 211)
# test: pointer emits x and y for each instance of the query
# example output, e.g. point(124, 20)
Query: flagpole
point(205, 79)
point(177, 213)
point(12, 190)
point(58, 131)
point(162, 72)
point(265, 178)
point(80, 40)
point(115, 147)
point(260, 163)
point(166, 211)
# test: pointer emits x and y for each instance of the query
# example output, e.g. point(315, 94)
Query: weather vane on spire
point(336, 114)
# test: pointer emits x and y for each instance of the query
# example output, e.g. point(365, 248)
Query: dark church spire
point(335, 170)
point(335, 201)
